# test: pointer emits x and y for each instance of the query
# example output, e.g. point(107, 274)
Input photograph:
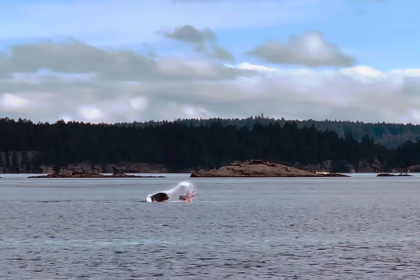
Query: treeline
point(187, 146)
point(390, 135)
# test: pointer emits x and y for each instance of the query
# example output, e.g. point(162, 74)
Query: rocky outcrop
point(259, 168)
point(91, 175)
point(392, 175)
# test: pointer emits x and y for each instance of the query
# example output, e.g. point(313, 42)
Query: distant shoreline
point(157, 173)
point(162, 176)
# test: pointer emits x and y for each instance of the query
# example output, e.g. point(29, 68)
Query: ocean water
point(363, 227)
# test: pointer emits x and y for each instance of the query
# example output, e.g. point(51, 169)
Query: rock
point(91, 175)
point(260, 168)
point(385, 175)
point(392, 175)
point(334, 175)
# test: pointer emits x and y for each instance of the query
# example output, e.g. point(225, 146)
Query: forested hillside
point(390, 135)
point(180, 146)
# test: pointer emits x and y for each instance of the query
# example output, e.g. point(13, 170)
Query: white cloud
point(364, 73)
point(297, 93)
point(11, 102)
point(90, 113)
point(139, 103)
point(195, 112)
point(105, 86)
point(190, 68)
point(310, 49)
point(66, 118)
point(172, 110)
point(255, 67)
point(407, 72)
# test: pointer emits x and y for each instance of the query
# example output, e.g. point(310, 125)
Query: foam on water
point(184, 185)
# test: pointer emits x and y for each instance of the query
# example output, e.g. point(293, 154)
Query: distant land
point(202, 144)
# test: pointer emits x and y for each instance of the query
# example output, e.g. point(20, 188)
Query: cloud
point(72, 56)
point(11, 102)
point(204, 41)
point(77, 81)
point(189, 33)
point(90, 113)
point(223, 54)
point(139, 103)
point(254, 67)
point(364, 74)
point(275, 92)
point(309, 49)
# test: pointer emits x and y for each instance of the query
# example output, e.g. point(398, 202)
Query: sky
point(138, 60)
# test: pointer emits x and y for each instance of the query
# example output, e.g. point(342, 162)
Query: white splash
point(187, 186)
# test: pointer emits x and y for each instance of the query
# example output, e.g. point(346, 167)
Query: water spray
point(162, 196)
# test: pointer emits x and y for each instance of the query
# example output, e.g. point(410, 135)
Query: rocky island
point(260, 168)
point(392, 175)
point(91, 175)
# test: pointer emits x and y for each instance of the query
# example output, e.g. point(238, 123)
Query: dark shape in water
point(160, 197)
point(391, 175)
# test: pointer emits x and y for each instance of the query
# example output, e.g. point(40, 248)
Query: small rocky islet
point(261, 168)
point(91, 175)
point(394, 175)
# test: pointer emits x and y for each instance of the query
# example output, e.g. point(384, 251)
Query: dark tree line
point(391, 135)
point(182, 146)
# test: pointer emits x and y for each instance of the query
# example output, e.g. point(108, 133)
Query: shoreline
point(188, 174)
point(136, 173)
point(92, 175)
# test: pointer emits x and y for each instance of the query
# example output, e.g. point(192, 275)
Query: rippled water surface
point(361, 227)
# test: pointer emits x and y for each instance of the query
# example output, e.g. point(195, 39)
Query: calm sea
point(363, 227)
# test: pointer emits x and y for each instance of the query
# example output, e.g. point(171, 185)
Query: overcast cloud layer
point(191, 70)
